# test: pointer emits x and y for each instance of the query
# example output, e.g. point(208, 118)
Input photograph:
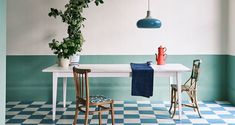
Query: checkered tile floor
point(126, 113)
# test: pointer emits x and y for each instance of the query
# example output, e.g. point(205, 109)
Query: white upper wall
point(231, 41)
point(188, 27)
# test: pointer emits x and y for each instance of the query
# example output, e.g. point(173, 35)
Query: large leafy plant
point(74, 18)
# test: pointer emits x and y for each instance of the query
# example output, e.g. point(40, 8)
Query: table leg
point(171, 82)
point(178, 76)
point(64, 91)
point(54, 95)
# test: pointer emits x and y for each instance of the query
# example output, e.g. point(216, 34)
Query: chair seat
point(99, 99)
point(183, 87)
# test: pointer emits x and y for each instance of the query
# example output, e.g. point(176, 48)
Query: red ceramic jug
point(161, 56)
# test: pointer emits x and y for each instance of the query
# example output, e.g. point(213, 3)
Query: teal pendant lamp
point(148, 21)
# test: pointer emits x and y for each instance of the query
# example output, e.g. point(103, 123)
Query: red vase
point(161, 56)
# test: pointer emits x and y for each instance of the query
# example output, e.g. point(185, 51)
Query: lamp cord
point(148, 5)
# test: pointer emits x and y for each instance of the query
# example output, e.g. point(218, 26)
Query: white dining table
point(172, 71)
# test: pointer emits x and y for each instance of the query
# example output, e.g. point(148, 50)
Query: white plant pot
point(64, 62)
point(74, 59)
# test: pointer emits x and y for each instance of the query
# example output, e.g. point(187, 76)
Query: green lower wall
point(231, 79)
point(26, 81)
point(2, 60)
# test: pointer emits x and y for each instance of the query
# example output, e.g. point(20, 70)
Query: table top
point(117, 68)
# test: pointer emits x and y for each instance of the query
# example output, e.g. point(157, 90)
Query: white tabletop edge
point(122, 68)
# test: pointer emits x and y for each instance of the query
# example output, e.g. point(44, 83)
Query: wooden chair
point(190, 87)
point(84, 100)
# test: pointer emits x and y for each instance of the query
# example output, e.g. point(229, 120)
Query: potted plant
point(74, 18)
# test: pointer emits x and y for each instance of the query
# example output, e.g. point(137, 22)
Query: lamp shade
point(149, 22)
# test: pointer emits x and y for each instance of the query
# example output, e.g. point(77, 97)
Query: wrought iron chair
point(190, 87)
point(84, 100)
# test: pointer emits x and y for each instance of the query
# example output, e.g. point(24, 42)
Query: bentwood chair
point(190, 87)
point(84, 100)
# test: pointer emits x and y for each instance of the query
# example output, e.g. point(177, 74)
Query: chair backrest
point(81, 83)
point(195, 69)
point(195, 73)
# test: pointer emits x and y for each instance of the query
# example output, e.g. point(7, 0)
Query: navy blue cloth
point(142, 79)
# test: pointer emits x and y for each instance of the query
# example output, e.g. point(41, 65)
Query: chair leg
point(76, 115)
point(196, 104)
point(175, 103)
point(112, 113)
point(86, 115)
point(193, 96)
point(171, 101)
point(100, 117)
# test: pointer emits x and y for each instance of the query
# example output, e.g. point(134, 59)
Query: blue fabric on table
point(142, 79)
